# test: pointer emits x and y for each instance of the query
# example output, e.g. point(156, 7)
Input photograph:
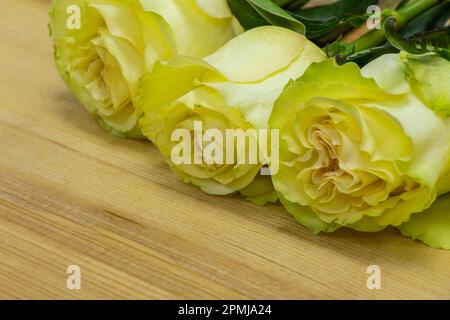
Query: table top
point(72, 195)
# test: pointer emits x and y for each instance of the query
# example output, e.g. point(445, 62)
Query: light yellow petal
point(189, 24)
point(257, 53)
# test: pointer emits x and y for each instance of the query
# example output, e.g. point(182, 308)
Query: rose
point(235, 88)
point(429, 76)
point(103, 47)
point(359, 152)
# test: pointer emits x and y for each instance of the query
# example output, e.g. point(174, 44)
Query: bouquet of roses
point(269, 99)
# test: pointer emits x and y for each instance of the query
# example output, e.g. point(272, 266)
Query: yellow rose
point(103, 47)
point(358, 148)
point(233, 89)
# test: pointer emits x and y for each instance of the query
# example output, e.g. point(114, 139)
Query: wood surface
point(72, 195)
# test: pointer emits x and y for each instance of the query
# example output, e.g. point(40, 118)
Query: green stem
point(377, 37)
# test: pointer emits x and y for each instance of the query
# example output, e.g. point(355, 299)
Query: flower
point(358, 147)
point(429, 77)
point(103, 47)
point(234, 90)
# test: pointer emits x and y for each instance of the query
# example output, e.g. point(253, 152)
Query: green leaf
point(296, 4)
point(364, 57)
point(429, 20)
point(247, 16)
point(256, 13)
point(414, 15)
point(443, 19)
point(436, 41)
point(330, 21)
point(431, 226)
point(276, 15)
point(286, 3)
point(415, 31)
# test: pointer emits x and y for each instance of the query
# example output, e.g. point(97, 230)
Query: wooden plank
point(70, 194)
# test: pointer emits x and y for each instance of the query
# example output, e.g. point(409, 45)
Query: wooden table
point(72, 195)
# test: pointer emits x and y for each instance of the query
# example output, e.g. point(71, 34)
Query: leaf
point(364, 57)
point(289, 3)
point(256, 13)
point(415, 32)
point(433, 18)
point(296, 4)
point(443, 20)
point(247, 16)
point(276, 15)
point(435, 41)
point(331, 21)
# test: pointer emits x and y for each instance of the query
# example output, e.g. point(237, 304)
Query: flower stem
point(404, 15)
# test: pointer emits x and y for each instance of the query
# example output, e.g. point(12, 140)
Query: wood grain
point(71, 194)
